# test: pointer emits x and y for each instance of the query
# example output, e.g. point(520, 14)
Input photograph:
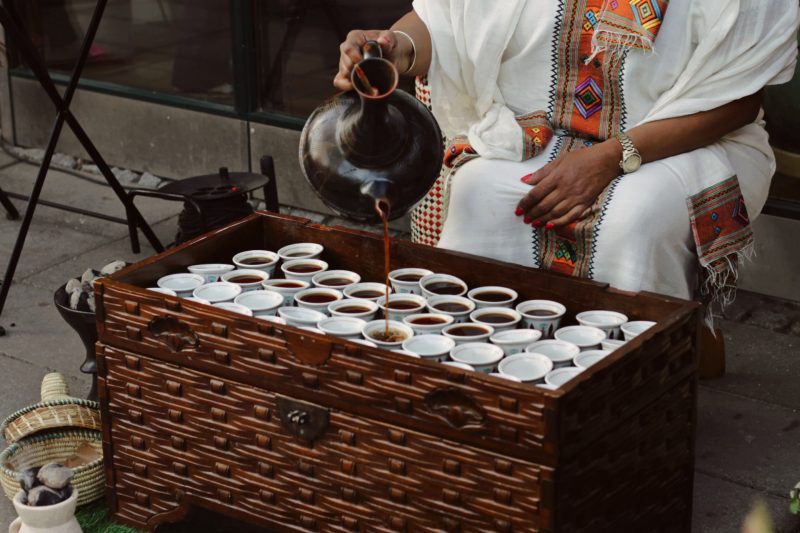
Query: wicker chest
point(302, 432)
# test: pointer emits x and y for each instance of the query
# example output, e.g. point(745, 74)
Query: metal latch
point(305, 420)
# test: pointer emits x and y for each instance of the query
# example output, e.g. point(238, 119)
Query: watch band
point(628, 150)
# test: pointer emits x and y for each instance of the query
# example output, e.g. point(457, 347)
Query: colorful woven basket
point(55, 446)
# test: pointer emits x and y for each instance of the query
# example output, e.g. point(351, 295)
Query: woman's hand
point(568, 186)
point(351, 53)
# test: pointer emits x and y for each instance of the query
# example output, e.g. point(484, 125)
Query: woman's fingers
point(536, 177)
point(350, 52)
point(533, 198)
point(570, 216)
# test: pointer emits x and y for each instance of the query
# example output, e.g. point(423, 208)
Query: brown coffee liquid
point(336, 282)
point(304, 269)
point(318, 298)
point(382, 207)
point(467, 331)
point(445, 288)
point(390, 335)
point(495, 318)
point(403, 305)
point(540, 312)
point(428, 321)
point(243, 280)
point(409, 277)
point(298, 254)
point(352, 309)
point(366, 293)
point(288, 284)
point(451, 307)
point(492, 296)
point(256, 261)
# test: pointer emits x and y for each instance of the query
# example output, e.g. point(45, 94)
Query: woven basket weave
point(56, 446)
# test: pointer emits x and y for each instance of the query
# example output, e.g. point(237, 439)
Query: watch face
point(631, 163)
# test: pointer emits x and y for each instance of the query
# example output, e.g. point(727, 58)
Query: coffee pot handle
point(372, 49)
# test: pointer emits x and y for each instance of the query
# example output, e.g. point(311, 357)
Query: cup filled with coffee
point(406, 280)
point(387, 334)
point(363, 309)
point(442, 285)
point(303, 269)
point(301, 250)
point(286, 288)
point(263, 260)
point(335, 279)
point(500, 318)
point(470, 332)
point(366, 291)
point(317, 299)
point(544, 315)
point(456, 306)
point(428, 323)
point(247, 279)
point(400, 306)
point(493, 296)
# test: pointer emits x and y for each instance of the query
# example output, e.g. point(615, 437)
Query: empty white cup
point(273, 319)
point(434, 347)
point(286, 288)
point(408, 285)
point(234, 308)
point(505, 376)
point(492, 296)
point(160, 290)
point(559, 376)
point(515, 340)
point(527, 367)
point(544, 315)
point(211, 271)
point(300, 250)
point(561, 353)
point(261, 302)
point(299, 317)
point(608, 321)
point(342, 326)
point(219, 291)
point(611, 344)
point(589, 358)
point(182, 284)
point(584, 337)
point(263, 260)
point(636, 328)
point(457, 364)
point(481, 356)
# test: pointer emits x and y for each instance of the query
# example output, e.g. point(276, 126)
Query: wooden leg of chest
point(711, 353)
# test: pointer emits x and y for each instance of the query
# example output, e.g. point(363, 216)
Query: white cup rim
point(497, 337)
point(447, 344)
point(286, 266)
point(598, 334)
point(432, 301)
point(496, 353)
point(410, 270)
point(211, 268)
point(575, 371)
point(585, 316)
point(550, 305)
point(318, 249)
point(484, 335)
point(269, 284)
point(277, 299)
point(237, 259)
point(513, 295)
point(197, 278)
point(511, 359)
point(245, 271)
point(515, 316)
point(571, 349)
point(380, 323)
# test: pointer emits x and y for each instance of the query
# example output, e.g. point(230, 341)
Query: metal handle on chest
point(302, 419)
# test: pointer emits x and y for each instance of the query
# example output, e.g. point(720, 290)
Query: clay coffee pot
point(372, 147)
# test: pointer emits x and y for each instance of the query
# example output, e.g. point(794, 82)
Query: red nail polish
point(526, 176)
point(537, 223)
point(527, 219)
point(518, 211)
point(549, 225)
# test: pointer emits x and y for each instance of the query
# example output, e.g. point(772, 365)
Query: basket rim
point(49, 403)
point(13, 448)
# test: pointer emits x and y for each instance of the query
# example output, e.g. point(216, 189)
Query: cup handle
point(15, 526)
point(372, 49)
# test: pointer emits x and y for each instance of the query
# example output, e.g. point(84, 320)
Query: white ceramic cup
point(182, 284)
point(419, 323)
point(430, 280)
point(481, 356)
point(219, 291)
point(509, 377)
point(288, 273)
point(407, 353)
point(374, 330)
point(348, 307)
point(286, 288)
point(611, 344)
point(273, 319)
point(589, 358)
point(261, 302)
point(445, 305)
point(267, 261)
point(301, 250)
point(527, 367)
point(305, 299)
point(515, 340)
point(335, 279)
point(636, 328)
point(411, 304)
point(584, 337)
point(431, 347)
point(299, 317)
point(490, 296)
point(561, 353)
point(490, 315)
point(608, 321)
point(168, 292)
point(342, 326)
point(559, 376)
point(197, 300)
point(532, 312)
point(458, 364)
point(211, 271)
point(401, 286)
point(234, 308)
point(482, 332)
point(365, 342)
point(233, 275)
point(366, 291)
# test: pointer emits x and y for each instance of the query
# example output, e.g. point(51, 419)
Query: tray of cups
point(424, 314)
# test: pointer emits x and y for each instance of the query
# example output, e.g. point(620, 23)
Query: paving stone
point(721, 506)
point(760, 364)
point(746, 441)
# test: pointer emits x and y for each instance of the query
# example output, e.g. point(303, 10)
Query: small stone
point(124, 176)
point(75, 299)
point(41, 496)
point(73, 285)
point(27, 479)
point(149, 181)
point(112, 267)
point(90, 302)
point(88, 275)
point(55, 475)
point(64, 161)
point(33, 154)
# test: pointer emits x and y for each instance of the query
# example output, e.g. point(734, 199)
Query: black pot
point(83, 322)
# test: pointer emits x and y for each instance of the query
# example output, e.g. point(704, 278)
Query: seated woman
point(619, 140)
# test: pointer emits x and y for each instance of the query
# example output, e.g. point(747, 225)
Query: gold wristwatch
point(631, 159)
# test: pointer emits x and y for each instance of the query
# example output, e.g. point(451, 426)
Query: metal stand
point(12, 22)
